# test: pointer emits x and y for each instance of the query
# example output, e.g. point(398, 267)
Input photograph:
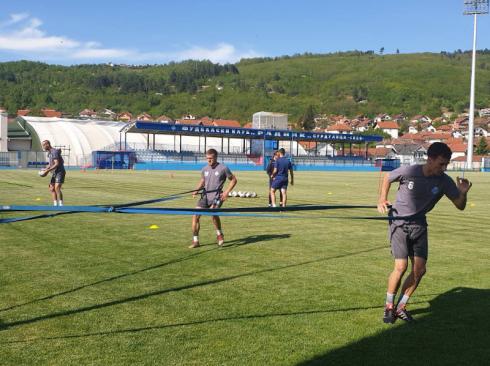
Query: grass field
point(105, 289)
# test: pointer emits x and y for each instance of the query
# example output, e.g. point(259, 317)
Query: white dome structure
point(81, 137)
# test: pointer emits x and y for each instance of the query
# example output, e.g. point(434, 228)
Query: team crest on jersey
point(206, 174)
point(216, 173)
point(435, 190)
point(410, 185)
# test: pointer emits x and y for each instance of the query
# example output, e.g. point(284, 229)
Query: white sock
point(195, 238)
point(390, 298)
point(55, 203)
point(403, 301)
point(273, 205)
point(219, 232)
point(60, 203)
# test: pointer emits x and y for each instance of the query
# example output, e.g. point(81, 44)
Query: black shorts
point(209, 202)
point(409, 240)
point(58, 177)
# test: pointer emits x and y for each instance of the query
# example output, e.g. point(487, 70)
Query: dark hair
point(212, 152)
point(439, 149)
point(282, 151)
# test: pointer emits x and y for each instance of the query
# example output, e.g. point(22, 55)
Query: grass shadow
point(453, 330)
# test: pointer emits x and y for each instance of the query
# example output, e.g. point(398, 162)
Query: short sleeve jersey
point(214, 179)
point(283, 165)
point(55, 154)
point(270, 166)
point(418, 194)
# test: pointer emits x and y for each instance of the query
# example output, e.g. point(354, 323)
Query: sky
point(69, 32)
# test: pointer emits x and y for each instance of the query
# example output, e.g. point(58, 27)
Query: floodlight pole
point(473, 7)
point(471, 123)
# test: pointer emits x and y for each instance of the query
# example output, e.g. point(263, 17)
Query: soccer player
point(213, 177)
point(420, 188)
point(280, 178)
point(269, 170)
point(56, 165)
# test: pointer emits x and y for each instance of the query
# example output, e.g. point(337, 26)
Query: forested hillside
point(348, 83)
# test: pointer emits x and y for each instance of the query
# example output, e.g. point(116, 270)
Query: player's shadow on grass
point(179, 288)
point(255, 239)
point(454, 330)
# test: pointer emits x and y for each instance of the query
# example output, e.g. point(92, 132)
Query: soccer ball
point(248, 194)
point(234, 194)
point(230, 194)
point(41, 172)
point(241, 194)
point(253, 194)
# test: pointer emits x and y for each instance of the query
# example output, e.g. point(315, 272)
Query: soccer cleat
point(221, 240)
point(194, 244)
point(404, 314)
point(389, 314)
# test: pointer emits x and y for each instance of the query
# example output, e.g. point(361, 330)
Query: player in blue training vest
point(269, 170)
point(280, 178)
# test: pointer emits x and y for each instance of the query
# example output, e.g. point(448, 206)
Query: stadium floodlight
point(473, 7)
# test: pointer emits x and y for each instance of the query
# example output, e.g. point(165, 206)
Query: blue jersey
point(283, 165)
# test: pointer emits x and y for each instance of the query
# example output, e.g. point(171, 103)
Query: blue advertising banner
point(247, 133)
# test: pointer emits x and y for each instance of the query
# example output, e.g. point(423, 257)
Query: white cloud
point(14, 18)
point(25, 37)
point(222, 53)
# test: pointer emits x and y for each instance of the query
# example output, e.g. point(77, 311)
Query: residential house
point(125, 116)
point(444, 128)
point(226, 123)
point(164, 119)
point(484, 112)
point(410, 138)
point(432, 137)
point(413, 129)
point(427, 127)
point(47, 112)
point(410, 154)
point(87, 113)
point(381, 152)
point(144, 117)
point(461, 123)
point(339, 128)
point(382, 117)
point(460, 162)
point(107, 114)
point(399, 118)
point(458, 149)
point(23, 112)
point(389, 127)
point(480, 131)
point(421, 118)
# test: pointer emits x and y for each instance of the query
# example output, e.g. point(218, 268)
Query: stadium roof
point(155, 128)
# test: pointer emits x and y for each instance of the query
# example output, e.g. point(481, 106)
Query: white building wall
point(3, 132)
point(270, 120)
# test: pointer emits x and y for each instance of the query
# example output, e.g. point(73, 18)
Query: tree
point(482, 147)
point(307, 122)
point(381, 50)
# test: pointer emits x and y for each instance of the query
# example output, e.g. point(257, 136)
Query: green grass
point(105, 289)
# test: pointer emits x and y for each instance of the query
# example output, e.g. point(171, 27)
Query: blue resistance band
point(266, 212)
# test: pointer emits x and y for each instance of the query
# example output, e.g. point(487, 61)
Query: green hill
point(348, 83)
